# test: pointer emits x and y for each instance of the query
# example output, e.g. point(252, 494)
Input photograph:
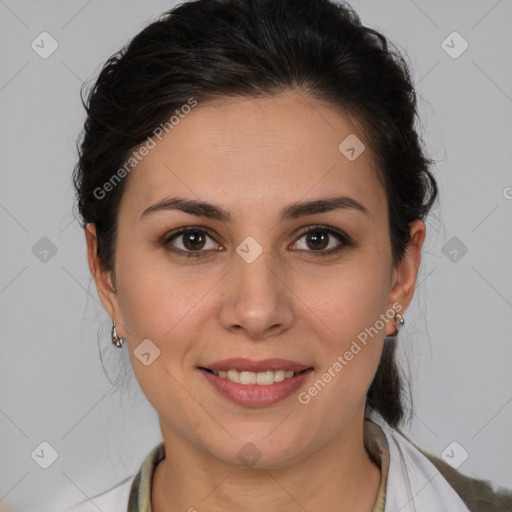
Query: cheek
point(355, 309)
point(350, 353)
point(158, 307)
point(153, 293)
point(163, 304)
point(356, 297)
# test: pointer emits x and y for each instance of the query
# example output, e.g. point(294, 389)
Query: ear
point(103, 279)
point(406, 271)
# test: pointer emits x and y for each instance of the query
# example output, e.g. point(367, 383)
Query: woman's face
point(255, 286)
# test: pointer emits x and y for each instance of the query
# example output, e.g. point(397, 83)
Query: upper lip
point(248, 365)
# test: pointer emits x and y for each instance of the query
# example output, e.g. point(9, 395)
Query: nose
point(257, 300)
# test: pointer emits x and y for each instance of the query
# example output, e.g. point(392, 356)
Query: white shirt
point(113, 500)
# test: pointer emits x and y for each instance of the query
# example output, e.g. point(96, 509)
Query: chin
point(254, 447)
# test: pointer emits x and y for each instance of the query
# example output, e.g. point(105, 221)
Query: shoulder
point(112, 500)
point(478, 495)
point(422, 479)
point(133, 493)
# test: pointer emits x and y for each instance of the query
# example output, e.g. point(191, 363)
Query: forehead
point(256, 154)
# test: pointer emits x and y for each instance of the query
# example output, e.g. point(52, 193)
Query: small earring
point(399, 322)
point(118, 342)
point(400, 319)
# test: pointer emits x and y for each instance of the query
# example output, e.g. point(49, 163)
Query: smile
point(256, 389)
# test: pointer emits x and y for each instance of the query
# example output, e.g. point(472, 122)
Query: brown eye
point(319, 238)
point(188, 242)
point(193, 240)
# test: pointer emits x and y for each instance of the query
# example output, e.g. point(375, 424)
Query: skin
point(253, 157)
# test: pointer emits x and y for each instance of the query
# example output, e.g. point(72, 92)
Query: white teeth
point(248, 377)
point(265, 378)
point(233, 376)
point(279, 375)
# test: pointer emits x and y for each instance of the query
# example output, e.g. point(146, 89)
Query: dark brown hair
point(214, 49)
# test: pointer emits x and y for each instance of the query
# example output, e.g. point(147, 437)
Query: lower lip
point(255, 395)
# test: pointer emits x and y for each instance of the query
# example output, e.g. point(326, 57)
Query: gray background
point(456, 343)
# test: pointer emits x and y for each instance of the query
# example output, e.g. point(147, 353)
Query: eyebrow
point(292, 211)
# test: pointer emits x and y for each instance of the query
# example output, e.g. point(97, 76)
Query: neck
point(340, 473)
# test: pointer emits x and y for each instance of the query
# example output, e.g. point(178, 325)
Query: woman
point(253, 193)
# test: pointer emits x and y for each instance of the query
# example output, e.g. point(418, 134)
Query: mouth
point(256, 388)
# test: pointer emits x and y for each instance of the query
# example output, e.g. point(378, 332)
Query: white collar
point(414, 484)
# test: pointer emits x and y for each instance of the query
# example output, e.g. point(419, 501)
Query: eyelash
point(342, 237)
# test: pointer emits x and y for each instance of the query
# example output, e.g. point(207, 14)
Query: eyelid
point(344, 239)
